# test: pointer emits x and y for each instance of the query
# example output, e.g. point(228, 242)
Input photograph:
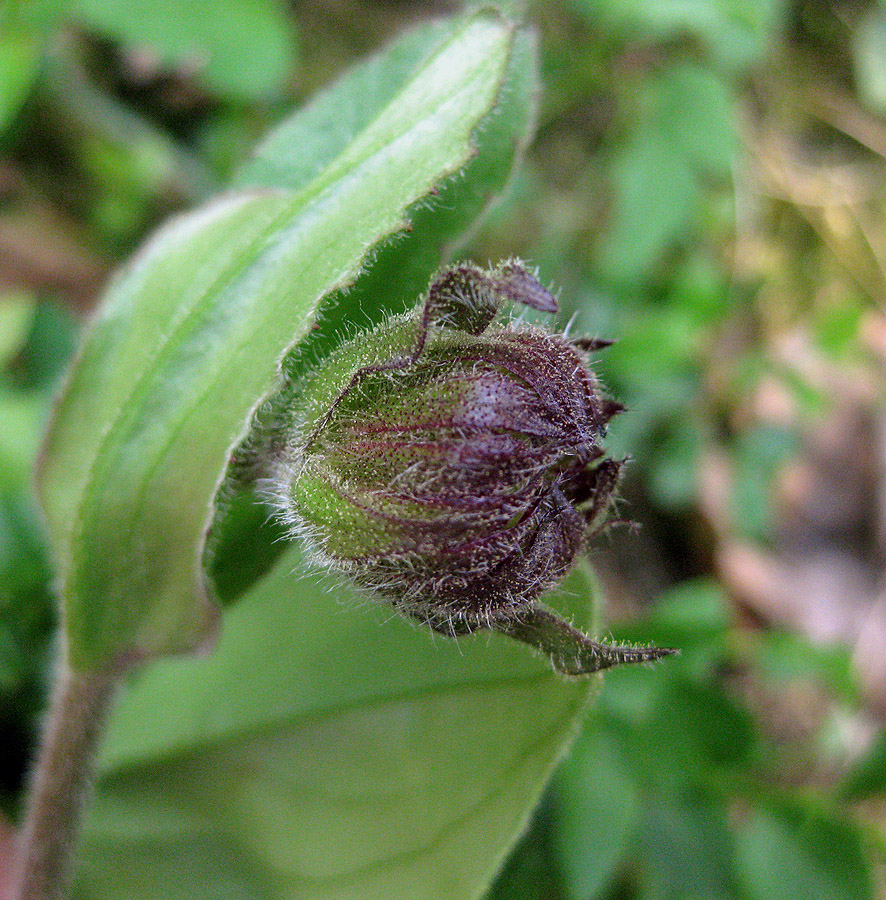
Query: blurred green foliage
point(659, 196)
point(37, 341)
point(672, 789)
point(248, 63)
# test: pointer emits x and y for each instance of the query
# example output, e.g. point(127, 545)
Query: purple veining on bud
point(456, 467)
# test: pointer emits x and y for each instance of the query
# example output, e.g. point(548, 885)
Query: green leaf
point(529, 872)
point(292, 154)
point(782, 856)
point(693, 615)
point(326, 751)
point(674, 476)
point(40, 16)
point(244, 49)
point(687, 850)
point(783, 657)
point(657, 194)
point(736, 32)
point(20, 53)
point(868, 775)
point(49, 348)
point(598, 806)
point(703, 729)
point(758, 456)
point(26, 610)
point(16, 320)
point(686, 137)
point(401, 269)
point(869, 58)
point(694, 112)
point(190, 338)
point(22, 415)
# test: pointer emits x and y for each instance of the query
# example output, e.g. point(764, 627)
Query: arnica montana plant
point(447, 463)
point(455, 466)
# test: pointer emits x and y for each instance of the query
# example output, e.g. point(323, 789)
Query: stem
point(61, 781)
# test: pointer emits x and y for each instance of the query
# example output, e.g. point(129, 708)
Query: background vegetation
point(708, 186)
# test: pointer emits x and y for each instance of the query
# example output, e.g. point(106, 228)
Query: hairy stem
point(60, 783)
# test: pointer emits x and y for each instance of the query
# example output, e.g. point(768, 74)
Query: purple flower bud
point(456, 467)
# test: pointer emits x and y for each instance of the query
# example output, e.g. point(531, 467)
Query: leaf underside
point(340, 754)
point(190, 337)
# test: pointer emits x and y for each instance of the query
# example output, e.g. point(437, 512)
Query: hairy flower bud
point(456, 467)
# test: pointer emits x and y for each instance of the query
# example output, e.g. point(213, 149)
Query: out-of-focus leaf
point(686, 136)
point(16, 318)
point(27, 620)
point(703, 729)
point(783, 656)
point(694, 612)
point(837, 328)
point(49, 348)
point(135, 162)
point(701, 290)
point(674, 472)
point(680, 725)
point(22, 415)
point(656, 197)
point(597, 809)
point(693, 109)
point(34, 15)
point(686, 850)
point(869, 57)
point(19, 64)
point(244, 49)
point(326, 751)
point(529, 873)
point(868, 775)
point(758, 455)
point(189, 340)
point(736, 31)
point(782, 856)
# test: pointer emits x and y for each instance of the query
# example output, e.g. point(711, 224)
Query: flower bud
point(455, 467)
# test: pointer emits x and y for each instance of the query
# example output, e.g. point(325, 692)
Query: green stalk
point(61, 782)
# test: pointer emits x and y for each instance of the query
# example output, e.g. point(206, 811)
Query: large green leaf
point(326, 750)
point(400, 270)
point(190, 337)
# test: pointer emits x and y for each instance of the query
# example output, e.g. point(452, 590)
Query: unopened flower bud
point(456, 467)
